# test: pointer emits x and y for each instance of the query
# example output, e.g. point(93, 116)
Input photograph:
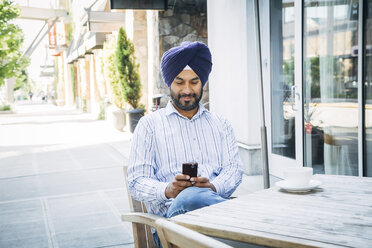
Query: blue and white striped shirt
point(165, 139)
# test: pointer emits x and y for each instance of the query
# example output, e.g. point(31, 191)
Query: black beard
point(176, 101)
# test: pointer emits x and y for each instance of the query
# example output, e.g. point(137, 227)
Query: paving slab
point(20, 211)
point(16, 188)
point(77, 205)
point(33, 242)
point(102, 237)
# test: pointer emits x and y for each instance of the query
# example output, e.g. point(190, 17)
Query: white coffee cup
point(298, 176)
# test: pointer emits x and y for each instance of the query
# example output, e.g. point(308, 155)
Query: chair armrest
point(184, 237)
point(141, 218)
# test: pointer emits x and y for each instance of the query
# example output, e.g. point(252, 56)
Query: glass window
point(368, 87)
point(282, 67)
point(330, 90)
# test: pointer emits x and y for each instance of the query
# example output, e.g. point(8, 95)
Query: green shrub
point(84, 107)
point(128, 71)
point(111, 73)
point(5, 108)
point(102, 110)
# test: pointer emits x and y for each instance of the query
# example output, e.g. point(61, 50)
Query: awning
point(85, 44)
point(42, 14)
point(102, 21)
point(95, 25)
point(94, 40)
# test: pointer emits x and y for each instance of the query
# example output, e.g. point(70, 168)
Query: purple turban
point(194, 54)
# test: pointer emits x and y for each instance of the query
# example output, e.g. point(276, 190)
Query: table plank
point(339, 213)
point(317, 232)
point(251, 236)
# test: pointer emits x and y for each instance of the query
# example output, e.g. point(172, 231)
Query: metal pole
point(265, 165)
point(33, 46)
point(361, 80)
point(33, 42)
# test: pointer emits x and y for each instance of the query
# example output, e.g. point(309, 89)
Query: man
point(183, 132)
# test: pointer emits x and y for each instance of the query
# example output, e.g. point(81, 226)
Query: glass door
point(330, 90)
point(320, 86)
point(285, 122)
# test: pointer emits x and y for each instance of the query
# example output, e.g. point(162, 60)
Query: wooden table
point(337, 214)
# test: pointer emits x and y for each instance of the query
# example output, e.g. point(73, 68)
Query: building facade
point(317, 85)
point(316, 63)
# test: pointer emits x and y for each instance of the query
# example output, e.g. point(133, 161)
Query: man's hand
point(202, 182)
point(179, 183)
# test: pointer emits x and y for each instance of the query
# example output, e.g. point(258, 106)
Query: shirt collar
point(170, 109)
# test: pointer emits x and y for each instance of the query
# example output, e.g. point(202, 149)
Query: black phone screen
point(190, 169)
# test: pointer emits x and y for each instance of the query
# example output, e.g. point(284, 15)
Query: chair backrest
point(142, 235)
point(172, 234)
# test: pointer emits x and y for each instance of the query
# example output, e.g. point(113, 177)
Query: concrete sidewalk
point(61, 180)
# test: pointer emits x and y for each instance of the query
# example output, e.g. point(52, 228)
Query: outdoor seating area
point(185, 123)
point(335, 214)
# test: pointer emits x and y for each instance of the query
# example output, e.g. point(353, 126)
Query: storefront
point(317, 73)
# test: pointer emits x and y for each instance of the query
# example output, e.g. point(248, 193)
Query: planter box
point(133, 116)
point(6, 112)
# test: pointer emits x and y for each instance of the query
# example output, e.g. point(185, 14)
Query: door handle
point(294, 95)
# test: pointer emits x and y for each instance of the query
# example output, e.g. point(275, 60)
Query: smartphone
point(190, 169)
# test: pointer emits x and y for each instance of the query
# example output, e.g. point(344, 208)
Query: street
point(61, 179)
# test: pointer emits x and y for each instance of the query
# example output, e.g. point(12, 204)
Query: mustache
point(188, 95)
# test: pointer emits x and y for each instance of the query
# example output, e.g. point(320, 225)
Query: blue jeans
point(190, 199)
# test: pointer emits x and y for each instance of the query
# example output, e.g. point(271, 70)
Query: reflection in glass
point(368, 87)
point(330, 89)
point(282, 104)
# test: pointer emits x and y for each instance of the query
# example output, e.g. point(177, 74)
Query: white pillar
point(129, 23)
point(66, 79)
point(150, 57)
point(92, 81)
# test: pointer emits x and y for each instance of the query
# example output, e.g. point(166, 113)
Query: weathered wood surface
point(173, 235)
point(337, 214)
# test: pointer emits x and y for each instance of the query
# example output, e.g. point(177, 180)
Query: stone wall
point(185, 20)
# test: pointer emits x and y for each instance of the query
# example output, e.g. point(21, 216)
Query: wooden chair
point(142, 235)
point(172, 234)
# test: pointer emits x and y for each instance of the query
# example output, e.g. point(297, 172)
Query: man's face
point(186, 90)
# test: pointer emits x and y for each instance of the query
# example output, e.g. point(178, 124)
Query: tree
point(128, 70)
point(111, 72)
point(21, 81)
point(11, 39)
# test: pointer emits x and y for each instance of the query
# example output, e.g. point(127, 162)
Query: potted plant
point(129, 79)
point(111, 74)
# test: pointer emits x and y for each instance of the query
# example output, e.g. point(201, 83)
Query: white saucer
point(287, 187)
